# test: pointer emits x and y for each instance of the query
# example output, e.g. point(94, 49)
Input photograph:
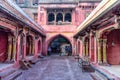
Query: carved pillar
point(86, 48)
point(9, 47)
point(32, 47)
point(83, 46)
point(24, 46)
point(99, 41)
point(95, 49)
point(104, 51)
point(55, 19)
point(63, 17)
point(14, 48)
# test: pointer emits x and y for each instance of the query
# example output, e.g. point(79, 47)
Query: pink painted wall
point(113, 47)
point(78, 16)
point(3, 46)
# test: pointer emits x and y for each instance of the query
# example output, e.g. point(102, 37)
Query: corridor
point(56, 68)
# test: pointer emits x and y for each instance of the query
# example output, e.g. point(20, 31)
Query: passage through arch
point(60, 46)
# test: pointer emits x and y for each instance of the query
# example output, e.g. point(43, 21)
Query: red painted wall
point(3, 46)
point(113, 47)
point(92, 49)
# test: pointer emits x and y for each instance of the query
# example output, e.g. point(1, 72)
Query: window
point(35, 16)
point(67, 17)
point(35, 2)
point(51, 17)
point(59, 17)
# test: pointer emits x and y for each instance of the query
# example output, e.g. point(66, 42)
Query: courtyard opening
point(60, 46)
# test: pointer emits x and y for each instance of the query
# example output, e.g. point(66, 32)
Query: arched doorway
point(39, 46)
point(60, 46)
point(21, 45)
point(3, 47)
point(113, 47)
point(86, 47)
point(29, 45)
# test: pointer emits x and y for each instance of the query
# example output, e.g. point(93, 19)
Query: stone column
point(104, 51)
point(90, 45)
point(14, 48)
point(83, 47)
point(9, 47)
point(95, 49)
point(87, 54)
point(63, 17)
point(24, 46)
point(99, 41)
point(55, 19)
point(32, 47)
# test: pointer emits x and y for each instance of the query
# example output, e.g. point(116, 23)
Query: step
point(7, 72)
point(13, 76)
point(97, 76)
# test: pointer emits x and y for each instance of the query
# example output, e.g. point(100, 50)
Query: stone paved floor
point(56, 68)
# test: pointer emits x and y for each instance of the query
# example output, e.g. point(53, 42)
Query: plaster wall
point(113, 47)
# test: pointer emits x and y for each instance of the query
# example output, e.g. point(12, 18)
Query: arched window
point(35, 2)
point(59, 17)
point(67, 17)
point(51, 17)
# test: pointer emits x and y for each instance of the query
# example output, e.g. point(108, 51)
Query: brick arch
point(54, 37)
point(29, 42)
point(105, 32)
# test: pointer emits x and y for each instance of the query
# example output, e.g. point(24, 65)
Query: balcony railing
point(59, 23)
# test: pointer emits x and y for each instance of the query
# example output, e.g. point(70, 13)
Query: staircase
point(101, 75)
point(11, 74)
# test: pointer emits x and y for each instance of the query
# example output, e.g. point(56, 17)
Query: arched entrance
point(60, 45)
point(3, 47)
point(21, 45)
point(39, 46)
point(86, 47)
point(29, 45)
point(113, 47)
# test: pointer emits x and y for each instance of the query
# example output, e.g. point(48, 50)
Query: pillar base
point(105, 64)
point(100, 62)
point(9, 61)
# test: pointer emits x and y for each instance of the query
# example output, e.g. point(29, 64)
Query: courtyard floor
point(56, 68)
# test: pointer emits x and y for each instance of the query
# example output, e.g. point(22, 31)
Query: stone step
point(97, 76)
point(10, 74)
point(15, 75)
point(100, 75)
point(7, 72)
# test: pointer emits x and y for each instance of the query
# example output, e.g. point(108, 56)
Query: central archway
point(59, 45)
